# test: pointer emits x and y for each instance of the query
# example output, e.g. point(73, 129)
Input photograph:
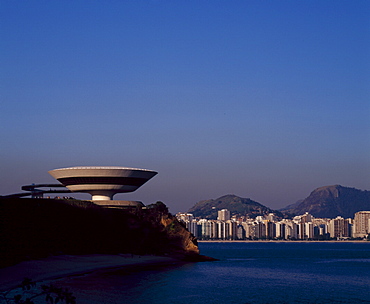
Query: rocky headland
point(38, 228)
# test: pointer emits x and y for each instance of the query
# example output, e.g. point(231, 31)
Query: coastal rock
point(37, 228)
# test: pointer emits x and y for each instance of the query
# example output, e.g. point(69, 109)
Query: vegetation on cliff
point(37, 228)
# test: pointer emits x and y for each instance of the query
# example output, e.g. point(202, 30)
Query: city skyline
point(267, 100)
point(272, 227)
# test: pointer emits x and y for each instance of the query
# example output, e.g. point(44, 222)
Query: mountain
point(236, 205)
point(331, 201)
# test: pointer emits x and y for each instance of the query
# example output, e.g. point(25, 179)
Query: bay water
point(247, 272)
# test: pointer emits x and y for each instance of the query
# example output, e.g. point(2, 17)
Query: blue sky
point(262, 99)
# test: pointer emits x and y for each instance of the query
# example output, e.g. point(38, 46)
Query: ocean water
point(248, 272)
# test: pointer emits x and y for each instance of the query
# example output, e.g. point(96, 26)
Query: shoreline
point(281, 241)
point(56, 267)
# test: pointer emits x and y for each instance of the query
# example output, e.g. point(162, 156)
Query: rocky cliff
point(36, 228)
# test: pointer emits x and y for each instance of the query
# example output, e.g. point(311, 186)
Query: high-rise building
point(240, 232)
point(232, 229)
point(213, 230)
point(271, 217)
point(223, 215)
point(270, 229)
point(204, 230)
point(306, 218)
point(309, 231)
point(223, 231)
point(280, 230)
point(339, 227)
point(185, 217)
point(260, 230)
point(361, 224)
point(192, 226)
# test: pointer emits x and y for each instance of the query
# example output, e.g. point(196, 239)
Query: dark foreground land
point(38, 228)
point(61, 266)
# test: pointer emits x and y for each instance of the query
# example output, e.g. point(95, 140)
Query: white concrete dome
point(102, 182)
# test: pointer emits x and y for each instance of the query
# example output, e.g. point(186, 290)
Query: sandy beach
point(65, 265)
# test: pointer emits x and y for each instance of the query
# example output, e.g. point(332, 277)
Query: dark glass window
point(130, 181)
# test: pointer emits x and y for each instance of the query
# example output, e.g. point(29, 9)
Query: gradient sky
point(261, 99)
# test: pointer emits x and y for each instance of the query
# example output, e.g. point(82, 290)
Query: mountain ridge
point(332, 201)
point(236, 205)
point(326, 201)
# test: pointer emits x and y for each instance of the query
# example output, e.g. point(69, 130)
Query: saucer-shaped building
point(102, 182)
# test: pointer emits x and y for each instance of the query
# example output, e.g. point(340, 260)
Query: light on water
point(254, 272)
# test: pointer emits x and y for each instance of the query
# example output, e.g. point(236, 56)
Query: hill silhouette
point(236, 205)
point(331, 201)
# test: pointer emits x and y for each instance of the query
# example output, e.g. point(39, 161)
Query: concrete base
point(117, 203)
